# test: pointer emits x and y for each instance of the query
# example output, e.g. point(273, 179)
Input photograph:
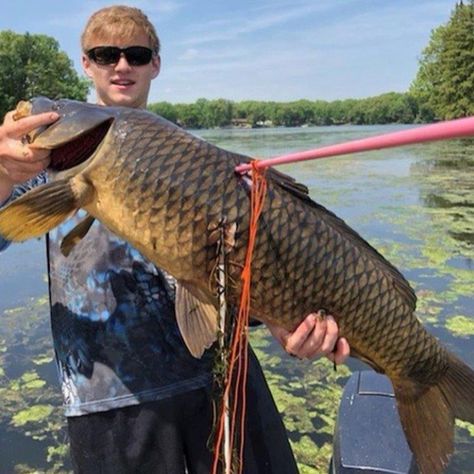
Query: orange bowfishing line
point(239, 350)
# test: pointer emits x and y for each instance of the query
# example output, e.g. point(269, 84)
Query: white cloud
point(189, 54)
point(250, 21)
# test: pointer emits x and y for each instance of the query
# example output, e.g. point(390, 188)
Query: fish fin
point(40, 210)
point(427, 414)
point(458, 388)
point(299, 190)
point(358, 355)
point(76, 235)
point(197, 321)
point(428, 424)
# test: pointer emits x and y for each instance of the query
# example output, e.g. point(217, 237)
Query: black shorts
point(171, 436)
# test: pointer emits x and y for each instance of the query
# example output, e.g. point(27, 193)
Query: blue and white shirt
point(114, 330)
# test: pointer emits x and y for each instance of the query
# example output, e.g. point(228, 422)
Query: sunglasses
point(107, 55)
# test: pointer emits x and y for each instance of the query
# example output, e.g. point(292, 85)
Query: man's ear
point(86, 65)
point(156, 63)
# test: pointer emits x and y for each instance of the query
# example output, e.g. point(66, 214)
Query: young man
point(135, 399)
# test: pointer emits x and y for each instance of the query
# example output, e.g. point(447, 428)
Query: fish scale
point(166, 191)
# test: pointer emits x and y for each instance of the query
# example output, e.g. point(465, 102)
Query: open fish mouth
point(74, 137)
point(78, 150)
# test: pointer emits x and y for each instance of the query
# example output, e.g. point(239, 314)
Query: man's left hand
point(315, 336)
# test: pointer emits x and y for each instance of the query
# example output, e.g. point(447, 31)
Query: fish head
point(75, 136)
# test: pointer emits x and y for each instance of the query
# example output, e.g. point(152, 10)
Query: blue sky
point(263, 49)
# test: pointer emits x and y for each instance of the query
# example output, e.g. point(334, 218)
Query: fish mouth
point(75, 136)
point(78, 150)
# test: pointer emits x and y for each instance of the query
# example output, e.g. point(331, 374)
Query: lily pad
point(31, 415)
point(461, 326)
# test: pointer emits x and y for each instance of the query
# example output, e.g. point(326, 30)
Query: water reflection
point(446, 175)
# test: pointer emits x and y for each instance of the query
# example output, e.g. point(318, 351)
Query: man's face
point(121, 84)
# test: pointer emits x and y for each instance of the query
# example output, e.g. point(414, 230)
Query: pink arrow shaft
point(439, 131)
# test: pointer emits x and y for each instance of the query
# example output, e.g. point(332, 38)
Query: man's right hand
point(19, 162)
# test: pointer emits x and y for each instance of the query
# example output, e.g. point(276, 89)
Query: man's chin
point(123, 100)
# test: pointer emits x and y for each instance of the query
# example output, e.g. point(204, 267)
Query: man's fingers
point(316, 335)
point(8, 119)
point(16, 129)
point(322, 340)
point(296, 339)
point(330, 336)
point(341, 351)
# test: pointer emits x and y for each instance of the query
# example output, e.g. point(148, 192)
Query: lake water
point(414, 204)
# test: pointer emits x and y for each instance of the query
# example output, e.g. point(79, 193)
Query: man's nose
point(122, 63)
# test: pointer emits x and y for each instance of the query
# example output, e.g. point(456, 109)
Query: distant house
point(240, 122)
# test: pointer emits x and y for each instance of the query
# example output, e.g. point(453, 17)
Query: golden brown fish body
point(166, 192)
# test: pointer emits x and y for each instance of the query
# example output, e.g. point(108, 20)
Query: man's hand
point(19, 162)
point(315, 336)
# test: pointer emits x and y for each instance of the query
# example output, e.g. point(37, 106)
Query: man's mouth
point(122, 82)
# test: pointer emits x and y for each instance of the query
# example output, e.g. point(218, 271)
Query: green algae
point(312, 457)
point(469, 427)
point(29, 380)
point(307, 396)
point(42, 359)
point(33, 414)
point(29, 405)
point(461, 326)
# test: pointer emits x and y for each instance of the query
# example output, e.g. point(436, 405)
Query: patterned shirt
point(115, 334)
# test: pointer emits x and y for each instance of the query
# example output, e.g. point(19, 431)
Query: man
point(135, 399)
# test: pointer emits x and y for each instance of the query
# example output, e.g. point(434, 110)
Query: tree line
point(32, 65)
point(391, 107)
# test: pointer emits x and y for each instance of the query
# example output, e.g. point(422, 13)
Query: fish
point(170, 193)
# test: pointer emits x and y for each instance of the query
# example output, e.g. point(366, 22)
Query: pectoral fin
point(76, 235)
point(197, 321)
point(42, 209)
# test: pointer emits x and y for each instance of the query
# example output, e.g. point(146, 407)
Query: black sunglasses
point(107, 55)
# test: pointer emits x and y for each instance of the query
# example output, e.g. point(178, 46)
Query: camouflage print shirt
point(115, 335)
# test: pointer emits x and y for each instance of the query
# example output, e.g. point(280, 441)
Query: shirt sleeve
point(18, 191)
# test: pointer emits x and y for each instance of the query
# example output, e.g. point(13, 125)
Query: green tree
point(444, 84)
point(188, 115)
point(32, 65)
point(252, 110)
point(214, 113)
point(165, 109)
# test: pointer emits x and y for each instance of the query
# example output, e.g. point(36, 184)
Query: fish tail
point(40, 210)
point(427, 414)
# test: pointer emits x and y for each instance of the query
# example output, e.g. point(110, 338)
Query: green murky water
point(415, 204)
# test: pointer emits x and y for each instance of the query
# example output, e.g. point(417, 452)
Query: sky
point(279, 50)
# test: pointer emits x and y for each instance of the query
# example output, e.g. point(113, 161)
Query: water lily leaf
point(461, 326)
point(31, 415)
point(42, 359)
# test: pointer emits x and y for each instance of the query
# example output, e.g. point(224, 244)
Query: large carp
point(167, 192)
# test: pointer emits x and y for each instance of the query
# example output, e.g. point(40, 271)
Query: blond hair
point(118, 20)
